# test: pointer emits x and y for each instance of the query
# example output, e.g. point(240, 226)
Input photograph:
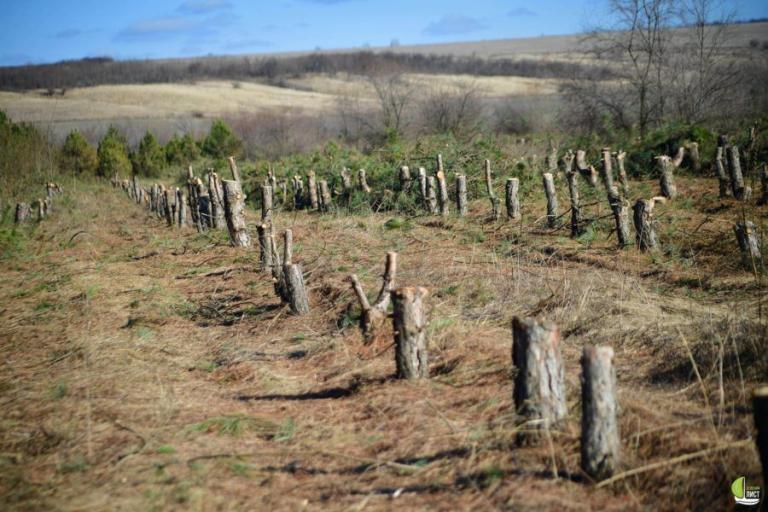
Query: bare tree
point(457, 110)
point(394, 95)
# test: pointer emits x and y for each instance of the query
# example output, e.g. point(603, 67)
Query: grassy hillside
point(152, 368)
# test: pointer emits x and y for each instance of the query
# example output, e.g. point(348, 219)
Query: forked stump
point(600, 441)
point(372, 316)
point(297, 292)
point(409, 321)
point(585, 170)
point(461, 195)
point(549, 190)
point(760, 412)
point(234, 207)
point(511, 200)
point(539, 382)
point(749, 245)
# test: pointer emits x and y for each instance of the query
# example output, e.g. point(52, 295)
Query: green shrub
point(221, 141)
point(149, 159)
point(113, 154)
point(77, 156)
point(181, 150)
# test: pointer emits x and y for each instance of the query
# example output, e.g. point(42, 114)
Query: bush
point(113, 154)
point(181, 150)
point(149, 160)
point(221, 142)
point(27, 160)
point(77, 156)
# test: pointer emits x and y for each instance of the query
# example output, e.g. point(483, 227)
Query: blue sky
point(49, 30)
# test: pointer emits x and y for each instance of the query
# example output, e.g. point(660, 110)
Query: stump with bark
point(606, 169)
point(749, 245)
point(645, 231)
point(314, 202)
point(734, 169)
point(693, 151)
point(234, 169)
point(722, 173)
point(551, 193)
point(265, 247)
point(667, 179)
point(181, 208)
point(409, 322)
point(373, 315)
point(422, 179)
point(216, 194)
point(623, 181)
point(432, 195)
point(362, 181)
point(404, 176)
point(461, 195)
point(510, 195)
point(168, 207)
point(572, 177)
point(267, 203)
point(600, 440)
point(539, 380)
point(442, 189)
point(586, 171)
point(296, 290)
point(620, 211)
point(234, 208)
point(325, 195)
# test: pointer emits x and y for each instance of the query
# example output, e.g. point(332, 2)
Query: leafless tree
point(457, 110)
point(394, 94)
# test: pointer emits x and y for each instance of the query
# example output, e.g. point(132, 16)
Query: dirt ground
point(150, 368)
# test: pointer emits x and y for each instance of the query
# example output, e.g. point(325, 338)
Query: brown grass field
point(147, 368)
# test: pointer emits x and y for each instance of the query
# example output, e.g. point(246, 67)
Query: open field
point(150, 368)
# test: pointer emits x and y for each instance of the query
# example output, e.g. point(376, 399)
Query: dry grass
point(163, 382)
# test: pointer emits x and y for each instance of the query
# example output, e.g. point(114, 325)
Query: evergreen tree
point(77, 156)
point(221, 142)
point(149, 160)
point(113, 154)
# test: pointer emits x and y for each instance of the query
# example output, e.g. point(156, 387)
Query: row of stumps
point(40, 208)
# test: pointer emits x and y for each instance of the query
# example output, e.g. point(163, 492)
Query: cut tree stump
point(409, 322)
point(363, 181)
point(606, 170)
point(267, 203)
point(296, 290)
point(600, 440)
point(645, 233)
point(432, 195)
point(512, 202)
point(539, 381)
point(623, 181)
point(461, 195)
point(265, 248)
point(442, 189)
point(234, 169)
point(404, 175)
point(572, 177)
point(422, 178)
point(314, 202)
point(760, 413)
point(586, 171)
point(234, 207)
point(373, 315)
point(181, 208)
point(168, 207)
point(749, 245)
point(693, 151)
point(325, 195)
point(216, 195)
point(549, 190)
point(734, 169)
point(620, 211)
point(666, 179)
point(722, 174)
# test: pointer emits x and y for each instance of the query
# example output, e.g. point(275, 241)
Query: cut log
point(512, 202)
point(432, 195)
point(693, 151)
point(620, 211)
point(267, 203)
point(749, 245)
point(551, 193)
point(461, 194)
point(623, 181)
point(645, 232)
point(606, 170)
point(722, 174)
point(760, 413)
point(314, 202)
point(234, 208)
point(666, 177)
point(539, 380)
point(22, 212)
point(363, 181)
point(734, 168)
point(234, 169)
point(409, 322)
point(572, 177)
point(600, 440)
point(297, 292)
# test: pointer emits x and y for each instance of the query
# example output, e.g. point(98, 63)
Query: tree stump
point(551, 159)
point(442, 189)
point(600, 441)
point(168, 207)
point(623, 181)
point(422, 178)
point(363, 181)
point(22, 213)
point(749, 245)
point(216, 195)
point(549, 190)
point(409, 322)
point(722, 174)
point(539, 381)
point(297, 292)
point(153, 195)
point(404, 176)
point(585, 170)
point(461, 195)
point(372, 316)
point(693, 151)
point(645, 233)
point(667, 180)
point(572, 177)
point(234, 207)
point(181, 208)
point(734, 168)
point(314, 202)
point(432, 195)
point(606, 170)
point(267, 203)
point(512, 202)
point(204, 206)
point(620, 211)
point(760, 413)
point(234, 169)
point(40, 207)
point(265, 248)
point(325, 195)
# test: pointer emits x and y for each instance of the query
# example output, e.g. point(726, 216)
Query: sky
point(37, 31)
